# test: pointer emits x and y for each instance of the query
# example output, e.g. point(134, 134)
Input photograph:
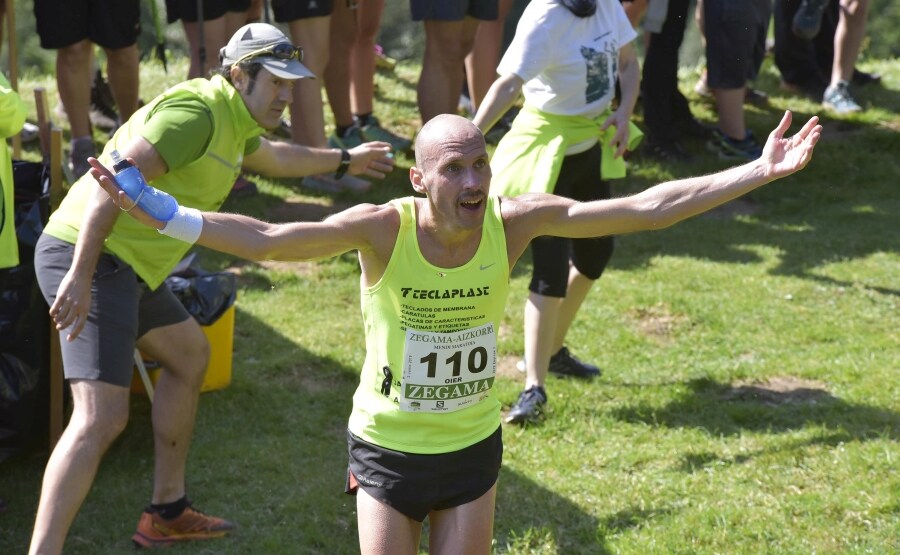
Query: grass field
point(749, 401)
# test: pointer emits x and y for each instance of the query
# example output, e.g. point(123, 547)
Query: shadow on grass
point(812, 220)
point(725, 410)
point(530, 516)
point(268, 452)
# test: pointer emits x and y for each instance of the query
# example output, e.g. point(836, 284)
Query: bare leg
point(541, 317)
point(576, 291)
point(214, 38)
point(465, 529)
point(848, 38)
point(233, 22)
point(730, 107)
point(446, 45)
point(255, 13)
point(100, 412)
point(183, 352)
point(482, 61)
point(73, 77)
point(384, 530)
point(337, 73)
point(123, 70)
point(307, 117)
point(362, 59)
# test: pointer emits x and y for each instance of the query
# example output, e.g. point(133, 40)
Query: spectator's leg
point(848, 37)
point(482, 61)
point(659, 86)
point(730, 109)
point(446, 45)
point(123, 69)
point(362, 60)
point(307, 117)
point(73, 78)
point(337, 73)
point(214, 38)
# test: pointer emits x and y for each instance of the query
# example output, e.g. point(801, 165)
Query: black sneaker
point(103, 112)
point(808, 19)
point(862, 78)
point(529, 406)
point(81, 150)
point(732, 149)
point(564, 364)
point(666, 151)
point(692, 128)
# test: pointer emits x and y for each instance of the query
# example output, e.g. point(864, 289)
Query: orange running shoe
point(155, 531)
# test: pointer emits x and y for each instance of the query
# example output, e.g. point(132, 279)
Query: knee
point(99, 428)
point(449, 52)
point(123, 57)
point(77, 54)
point(367, 32)
point(194, 361)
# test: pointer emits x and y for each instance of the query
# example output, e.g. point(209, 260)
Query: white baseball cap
point(267, 45)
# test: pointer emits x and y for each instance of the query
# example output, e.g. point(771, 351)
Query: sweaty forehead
point(442, 148)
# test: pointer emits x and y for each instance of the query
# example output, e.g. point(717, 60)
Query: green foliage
point(748, 402)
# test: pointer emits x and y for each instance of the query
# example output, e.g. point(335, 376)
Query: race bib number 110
point(445, 372)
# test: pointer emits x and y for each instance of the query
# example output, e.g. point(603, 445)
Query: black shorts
point(579, 179)
point(418, 484)
point(186, 10)
point(453, 10)
point(735, 41)
point(122, 309)
point(111, 24)
point(289, 10)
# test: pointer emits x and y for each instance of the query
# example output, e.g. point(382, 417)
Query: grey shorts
point(735, 41)
point(453, 10)
point(418, 484)
point(122, 309)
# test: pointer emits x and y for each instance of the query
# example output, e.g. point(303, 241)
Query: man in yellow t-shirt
point(101, 275)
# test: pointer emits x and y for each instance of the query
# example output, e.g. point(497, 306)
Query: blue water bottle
point(158, 204)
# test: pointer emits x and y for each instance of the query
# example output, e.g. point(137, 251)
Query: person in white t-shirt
point(565, 59)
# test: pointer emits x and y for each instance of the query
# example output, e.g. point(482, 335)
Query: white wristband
point(185, 225)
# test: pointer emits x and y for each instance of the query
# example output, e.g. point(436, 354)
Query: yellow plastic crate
point(218, 373)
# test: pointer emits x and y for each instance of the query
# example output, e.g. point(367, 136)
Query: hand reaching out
point(784, 156)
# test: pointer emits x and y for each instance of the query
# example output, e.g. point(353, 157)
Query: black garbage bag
point(24, 323)
point(205, 295)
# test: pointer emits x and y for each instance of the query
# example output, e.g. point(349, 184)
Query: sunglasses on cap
point(282, 51)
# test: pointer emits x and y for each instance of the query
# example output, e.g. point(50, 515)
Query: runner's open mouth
point(472, 203)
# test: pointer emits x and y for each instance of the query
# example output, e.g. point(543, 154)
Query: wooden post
point(51, 147)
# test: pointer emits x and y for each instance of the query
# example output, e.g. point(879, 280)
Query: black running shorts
point(186, 10)
point(112, 24)
point(453, 10)
point(418, 484)
point(289, 10)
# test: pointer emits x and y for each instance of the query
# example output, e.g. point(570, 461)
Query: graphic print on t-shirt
point(598, 65)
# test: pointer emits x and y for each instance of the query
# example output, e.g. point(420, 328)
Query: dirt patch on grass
point(780, 390)
point(506, 367)
point(657, 322)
